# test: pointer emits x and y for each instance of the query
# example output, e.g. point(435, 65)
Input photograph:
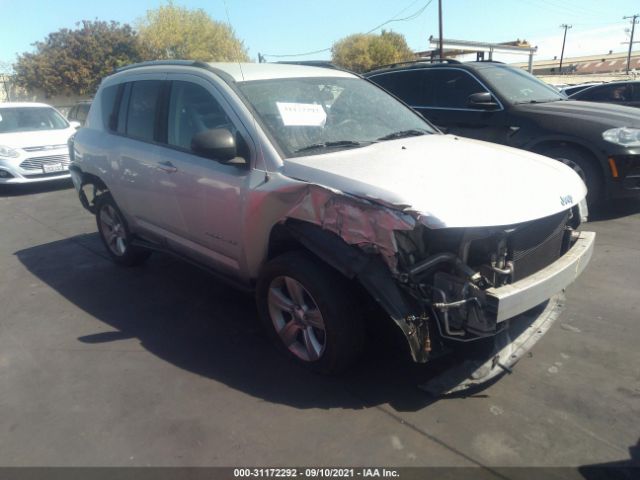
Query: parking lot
point(161, 365)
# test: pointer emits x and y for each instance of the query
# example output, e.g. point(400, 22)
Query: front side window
point(192, 109)
point(30, 119)
point(608, 93)
point(308, 116)
point(144, 103)
point(452, 87)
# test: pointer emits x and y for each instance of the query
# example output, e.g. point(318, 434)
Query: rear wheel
point(115, 234)
point(307, 310)
point(584, 166)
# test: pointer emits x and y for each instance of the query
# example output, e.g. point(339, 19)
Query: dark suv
point(497, 103)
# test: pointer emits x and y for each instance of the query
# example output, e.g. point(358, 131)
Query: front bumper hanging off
point(528, 308)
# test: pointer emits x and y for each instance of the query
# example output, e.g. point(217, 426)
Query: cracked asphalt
point(163, 366)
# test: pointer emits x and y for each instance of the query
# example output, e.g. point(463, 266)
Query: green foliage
point(173, 32)
point(361, 52)
point(75, 61)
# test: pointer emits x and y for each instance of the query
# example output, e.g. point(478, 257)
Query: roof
point(241, 72)
point(23, 105)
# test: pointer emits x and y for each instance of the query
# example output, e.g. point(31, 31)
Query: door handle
point(167, 167)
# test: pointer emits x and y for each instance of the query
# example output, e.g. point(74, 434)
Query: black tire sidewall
point(332, 293)
point(592, 173)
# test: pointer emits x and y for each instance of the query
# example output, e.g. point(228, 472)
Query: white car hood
point(449, 181)
point(36, 138)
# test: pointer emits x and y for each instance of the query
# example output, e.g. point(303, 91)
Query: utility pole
point(566, 27)
point(440, 24)
point(633, 28)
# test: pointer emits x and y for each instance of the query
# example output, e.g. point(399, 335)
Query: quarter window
point(108, 101)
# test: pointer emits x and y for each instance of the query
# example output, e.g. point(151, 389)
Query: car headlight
point(8, 152)
point(625, 136)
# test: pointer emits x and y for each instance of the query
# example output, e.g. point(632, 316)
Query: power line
point(393, 19)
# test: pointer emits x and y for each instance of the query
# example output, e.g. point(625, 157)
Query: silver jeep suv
point(330, 198)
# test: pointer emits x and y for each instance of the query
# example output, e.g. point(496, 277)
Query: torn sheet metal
point(358, 222)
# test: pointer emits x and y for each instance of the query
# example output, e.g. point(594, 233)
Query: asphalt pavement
point(161, 365)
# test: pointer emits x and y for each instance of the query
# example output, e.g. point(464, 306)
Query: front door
point(207, 193)
point(447, 92)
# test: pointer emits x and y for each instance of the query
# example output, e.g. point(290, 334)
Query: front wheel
point(308, 312)
point(115, 234)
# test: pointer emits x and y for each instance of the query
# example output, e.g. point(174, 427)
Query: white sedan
point(33, 143)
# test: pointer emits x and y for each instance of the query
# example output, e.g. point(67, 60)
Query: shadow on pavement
point(622, 470)
point(185, 317)
point(17, 190)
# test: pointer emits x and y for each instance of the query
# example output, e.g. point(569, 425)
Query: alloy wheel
point(113, 230)
point(296, 318)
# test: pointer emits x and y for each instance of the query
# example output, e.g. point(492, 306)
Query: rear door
point(140, 150)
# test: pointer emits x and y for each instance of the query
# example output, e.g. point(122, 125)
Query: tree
point(361, 52)
point(75, 61)
point(173, 32)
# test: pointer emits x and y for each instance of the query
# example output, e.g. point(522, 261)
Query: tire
point(115, 234)
point(328, 340)
point(584, 166)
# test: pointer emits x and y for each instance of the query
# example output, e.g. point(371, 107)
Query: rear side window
point(452, 88)
point(144, 104)
point(108, 101)
point(407, 85)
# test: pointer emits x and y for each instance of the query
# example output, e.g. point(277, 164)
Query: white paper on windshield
point(302, 114)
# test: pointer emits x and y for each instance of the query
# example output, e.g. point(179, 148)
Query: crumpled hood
point(448, 181)
point(36, 139)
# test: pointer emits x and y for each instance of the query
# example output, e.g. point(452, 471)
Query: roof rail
point(417, 60)
point(310, 63)
point(152, 63)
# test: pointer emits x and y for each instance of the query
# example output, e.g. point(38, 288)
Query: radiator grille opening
point(536, 244)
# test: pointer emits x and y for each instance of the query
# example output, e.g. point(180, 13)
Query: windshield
point(518, 86)
point(308, 116)
point(28, 119)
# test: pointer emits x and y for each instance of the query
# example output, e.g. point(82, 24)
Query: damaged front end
point(450, 288)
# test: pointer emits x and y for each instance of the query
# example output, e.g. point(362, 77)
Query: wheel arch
point(83, 179)
point(368, 271)
point(590, 152)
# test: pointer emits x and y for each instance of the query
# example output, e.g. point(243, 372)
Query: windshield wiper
point(403, 134)
point(338, 143)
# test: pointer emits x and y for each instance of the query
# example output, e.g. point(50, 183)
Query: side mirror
point(482, 100)
point(217, 144)
point(75, 124)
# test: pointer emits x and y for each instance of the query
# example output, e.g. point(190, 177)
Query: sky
point(281, 27)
